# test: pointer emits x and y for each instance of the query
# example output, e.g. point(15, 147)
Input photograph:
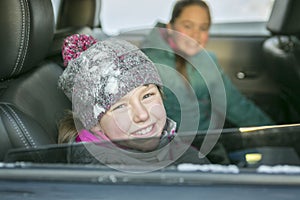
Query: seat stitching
point(26, 133)
point(15, 127)
point(28, 33)
point(22, 39)
point(23, 47)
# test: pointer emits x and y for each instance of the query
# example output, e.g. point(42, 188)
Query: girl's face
point(138, 115)
point(194, 23)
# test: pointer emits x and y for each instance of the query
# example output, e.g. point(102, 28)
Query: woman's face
point(138, 115)
point(194, 23)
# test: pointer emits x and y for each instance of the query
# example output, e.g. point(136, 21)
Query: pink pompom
point(74, 45)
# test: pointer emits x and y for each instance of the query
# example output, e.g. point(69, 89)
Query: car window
point(56, 4)
point(240, 11)
point(260, 162)
point(119, 16)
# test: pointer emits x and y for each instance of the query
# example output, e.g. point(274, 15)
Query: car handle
point(246, 75)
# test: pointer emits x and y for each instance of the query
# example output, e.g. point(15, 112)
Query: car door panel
point(240, 55)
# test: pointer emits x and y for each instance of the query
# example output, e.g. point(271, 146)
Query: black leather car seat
point(30, 102)
point(282, 51)
point(76, 16)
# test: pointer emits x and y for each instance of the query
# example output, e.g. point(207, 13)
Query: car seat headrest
point(78, 13)
point(284, 19)
point(27, 30)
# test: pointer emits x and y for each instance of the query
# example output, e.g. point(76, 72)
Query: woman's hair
point(67, 129)
point(181, 4)
point(177, 10)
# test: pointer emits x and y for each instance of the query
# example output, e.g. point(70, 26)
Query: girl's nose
point(139, 112)
point(195, 34)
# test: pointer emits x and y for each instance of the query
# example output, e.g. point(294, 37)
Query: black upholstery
point(24, 25)
point(79, 13)
point(282, 51)
point(30, 102)
point(76, 16)
point(284, 19)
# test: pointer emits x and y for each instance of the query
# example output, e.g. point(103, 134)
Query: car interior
point(32, 105)
point(31, 102)
point(282, 52)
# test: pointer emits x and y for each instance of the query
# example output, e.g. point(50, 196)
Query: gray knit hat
point(103, 74)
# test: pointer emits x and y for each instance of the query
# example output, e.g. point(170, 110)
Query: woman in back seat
point(179, 45)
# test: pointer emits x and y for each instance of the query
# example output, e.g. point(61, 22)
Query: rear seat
point(76, 16)
point(30, 102)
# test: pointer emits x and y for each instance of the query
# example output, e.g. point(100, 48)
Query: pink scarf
point(168, 39)
point(86, 136)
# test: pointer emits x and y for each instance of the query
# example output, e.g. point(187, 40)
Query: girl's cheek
point(204, 39)
point(121, 121)
point(158, 111)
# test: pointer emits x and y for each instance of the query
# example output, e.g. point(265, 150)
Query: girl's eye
point(204, 28)
point(118, 107)
point(148, 95)
point(187, 26)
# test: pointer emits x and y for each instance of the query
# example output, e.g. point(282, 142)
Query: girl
point(181, 44)
point(115, 92)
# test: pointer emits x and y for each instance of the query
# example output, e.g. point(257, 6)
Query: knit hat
point(102, 74)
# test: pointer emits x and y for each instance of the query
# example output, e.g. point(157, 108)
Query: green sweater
point(211, 98)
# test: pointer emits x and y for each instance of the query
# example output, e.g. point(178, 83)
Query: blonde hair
point(66, 128)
